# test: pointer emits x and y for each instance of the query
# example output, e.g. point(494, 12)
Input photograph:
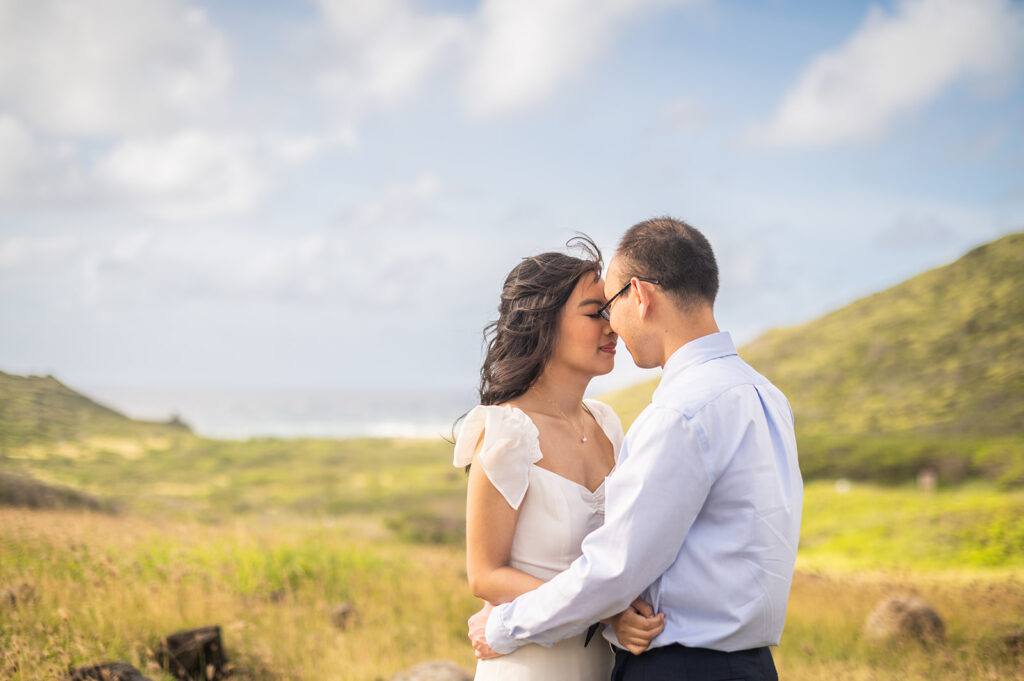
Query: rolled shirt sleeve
point(656, 491)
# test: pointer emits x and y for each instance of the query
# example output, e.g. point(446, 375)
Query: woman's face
point(585, 342)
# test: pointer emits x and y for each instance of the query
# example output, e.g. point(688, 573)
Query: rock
point(194, 655)
point(436, 670)
point(17, 595)
point(1013, 643)
point(905, 617)
point(108, 671)
point(342, 615)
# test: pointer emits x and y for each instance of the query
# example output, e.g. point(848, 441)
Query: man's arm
point(653, 498)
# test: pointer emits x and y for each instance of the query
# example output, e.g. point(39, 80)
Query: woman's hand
point(478, 633)
point(636, 626)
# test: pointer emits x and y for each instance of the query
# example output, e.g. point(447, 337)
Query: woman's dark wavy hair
point(520, 341)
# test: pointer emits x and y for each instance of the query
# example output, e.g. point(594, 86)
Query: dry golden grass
point(827, 611)
point(108, 588)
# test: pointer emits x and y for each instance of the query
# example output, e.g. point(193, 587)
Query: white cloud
point(524, 50)
point(296, 148)
point(397, 205)
point(35, 251)
point(107, 66)
point(191, 174)
point(511, 54)
point(31, 170)
point(379, 251)
point(381, 51)
point(895, 63)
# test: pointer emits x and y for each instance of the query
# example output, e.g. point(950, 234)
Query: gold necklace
point(583, 430)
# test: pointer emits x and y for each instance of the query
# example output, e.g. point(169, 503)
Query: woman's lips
point(610, 348)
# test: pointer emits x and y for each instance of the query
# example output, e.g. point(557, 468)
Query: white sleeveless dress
point(555, 514)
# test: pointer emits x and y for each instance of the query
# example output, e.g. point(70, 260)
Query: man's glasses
point(605, 311)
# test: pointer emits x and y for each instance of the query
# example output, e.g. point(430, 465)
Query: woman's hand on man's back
point(636, 626)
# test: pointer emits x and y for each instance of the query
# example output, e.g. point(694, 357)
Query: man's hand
point(478, 633)
point(636, 626)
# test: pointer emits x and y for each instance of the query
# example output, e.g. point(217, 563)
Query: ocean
point(248, 412)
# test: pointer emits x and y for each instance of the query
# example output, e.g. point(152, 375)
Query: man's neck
point(688, 328)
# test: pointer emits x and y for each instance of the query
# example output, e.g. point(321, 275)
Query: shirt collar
point(697, 351)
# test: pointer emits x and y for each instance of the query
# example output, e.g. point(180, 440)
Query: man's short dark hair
point(675, 254)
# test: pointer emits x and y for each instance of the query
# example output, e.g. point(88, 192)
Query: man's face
point(619, 316)
point(614, 281)
point(624, 316)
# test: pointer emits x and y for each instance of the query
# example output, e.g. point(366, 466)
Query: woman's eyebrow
point(591, 301)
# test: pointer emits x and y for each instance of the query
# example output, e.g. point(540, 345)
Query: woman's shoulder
point(609, 421)
point(503, 441)
point(598, 405)
point(496, 428)
point(603, 412)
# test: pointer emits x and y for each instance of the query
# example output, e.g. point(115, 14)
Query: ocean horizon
point(290, 412)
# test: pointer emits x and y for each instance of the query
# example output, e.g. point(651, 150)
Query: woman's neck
point(561, 389)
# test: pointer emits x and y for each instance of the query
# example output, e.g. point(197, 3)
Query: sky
point(324, 196)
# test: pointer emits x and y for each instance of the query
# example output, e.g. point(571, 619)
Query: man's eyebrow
point(591, 301)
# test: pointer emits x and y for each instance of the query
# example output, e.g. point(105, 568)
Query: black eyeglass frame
point(605, 311)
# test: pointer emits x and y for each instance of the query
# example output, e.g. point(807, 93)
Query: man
point(703, 508)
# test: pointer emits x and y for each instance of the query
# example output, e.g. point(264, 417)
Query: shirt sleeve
point(653, 497)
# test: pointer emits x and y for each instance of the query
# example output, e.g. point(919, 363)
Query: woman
point(540, 453)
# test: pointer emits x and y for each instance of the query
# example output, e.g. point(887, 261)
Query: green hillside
point(929, 372)
point(41, 409)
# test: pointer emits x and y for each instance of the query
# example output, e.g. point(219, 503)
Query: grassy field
point(108, 586)
point(409, 485)
point(869, 527)
point(265, 537)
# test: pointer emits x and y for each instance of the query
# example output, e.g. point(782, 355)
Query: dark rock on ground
point(194, 655)
point(905, 617)
point(342, 615)
point(108, 671)
point(1014, 643)
point(436, 670)
point(17, 595)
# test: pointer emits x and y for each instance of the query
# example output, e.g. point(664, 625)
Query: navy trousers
point(679, 663)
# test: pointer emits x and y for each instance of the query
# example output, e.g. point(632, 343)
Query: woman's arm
point(490, 527)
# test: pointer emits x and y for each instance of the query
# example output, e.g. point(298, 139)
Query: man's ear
point(644, 297)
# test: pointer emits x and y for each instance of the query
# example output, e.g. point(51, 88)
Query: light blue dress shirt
point(702, 517)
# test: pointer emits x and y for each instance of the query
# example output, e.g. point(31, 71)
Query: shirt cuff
point(497, 633)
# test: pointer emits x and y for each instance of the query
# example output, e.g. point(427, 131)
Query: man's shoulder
point(719, 379)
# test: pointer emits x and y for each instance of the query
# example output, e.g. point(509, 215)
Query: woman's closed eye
point(596, 306)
